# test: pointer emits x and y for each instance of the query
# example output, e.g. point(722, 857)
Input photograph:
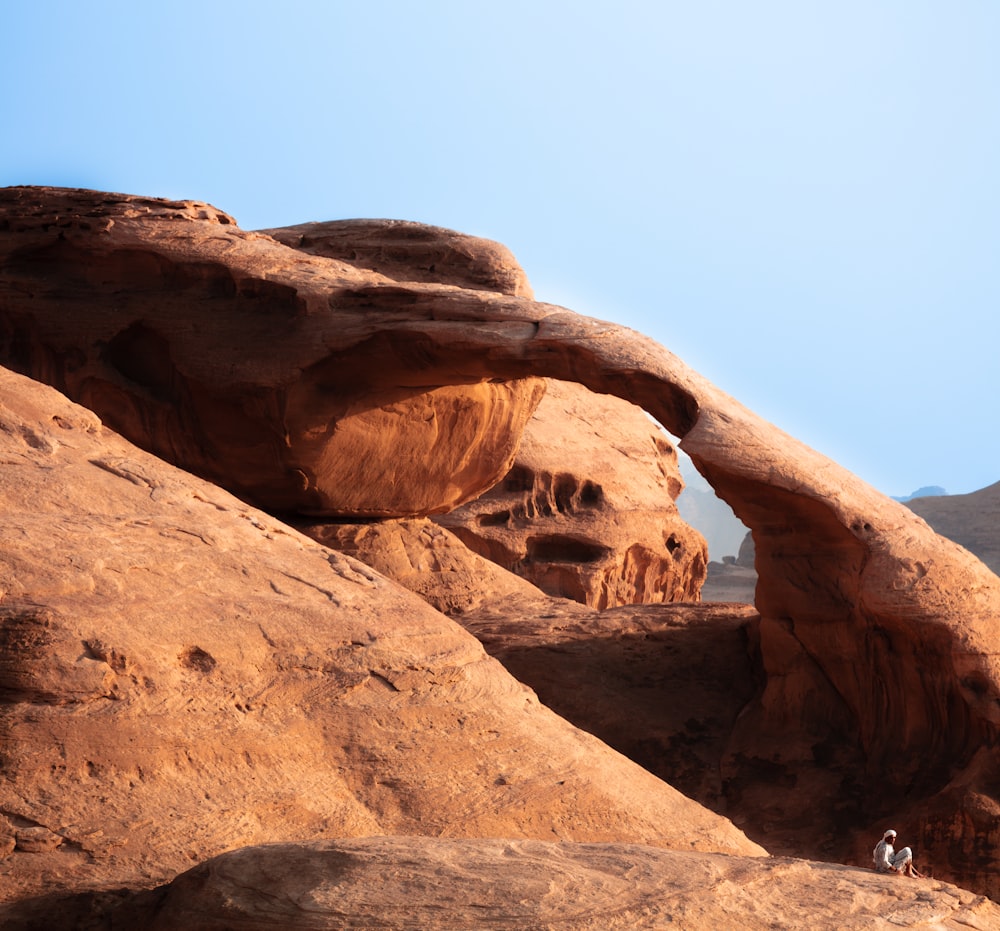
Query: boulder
point(181, 674)
point(428, 560)
point(433, 883)
point(588, 510)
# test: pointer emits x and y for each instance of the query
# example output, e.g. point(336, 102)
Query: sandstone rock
point(410, 251)
point(970, 520)
point(426, 559)
point(430, 883)
point(663, 684)
point(877, 639)
point(166, 319)
point(587, 512)
point(183, 674)
point(36, 840)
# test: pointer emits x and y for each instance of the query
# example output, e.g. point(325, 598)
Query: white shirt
point(883, 856)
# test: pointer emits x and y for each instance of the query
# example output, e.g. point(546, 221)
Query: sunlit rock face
point(217, 349)
point(876, 652)
point(434, 883)
point(182, 674)
point(587, 512)
point(407, 251)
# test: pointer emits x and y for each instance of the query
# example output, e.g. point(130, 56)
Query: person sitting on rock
point(888, 860)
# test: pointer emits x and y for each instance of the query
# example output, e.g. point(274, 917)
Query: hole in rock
point(563, 549)
point(497, 519)
point(519, 479)
point(143, 357)
point(197, 659)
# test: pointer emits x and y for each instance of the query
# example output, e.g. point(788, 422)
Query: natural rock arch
point(878, 637)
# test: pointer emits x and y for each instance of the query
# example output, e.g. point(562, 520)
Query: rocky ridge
point(970, 520)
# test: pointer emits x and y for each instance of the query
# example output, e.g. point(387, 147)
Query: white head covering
point(888, 834)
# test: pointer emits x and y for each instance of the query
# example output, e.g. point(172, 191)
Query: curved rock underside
point(587, 512)
point(238, 357)
point(224, 371)
point(181, 674)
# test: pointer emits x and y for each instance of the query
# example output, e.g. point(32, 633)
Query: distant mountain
point(708, 514)
point(928, 491)
point(971, 520)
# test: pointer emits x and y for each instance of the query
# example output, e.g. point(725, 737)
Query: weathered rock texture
point(408, 251)
point(428, 560)
point(663, 684)
point(587, 512)
point(205, 352)
point(428, 884)
point(879, 641)
point(181, 674)
point(971, 520)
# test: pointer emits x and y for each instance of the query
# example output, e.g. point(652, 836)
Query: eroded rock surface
point(427, 883)
point(971, 520)
point(408, 251)
point(587, 512)
point(181, 674)
point(878, 638)
point(210, 347)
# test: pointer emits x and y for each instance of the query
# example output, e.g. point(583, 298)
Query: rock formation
point(195, 376)
point(182, 674)
point(428, 560)
point(428, 883)
point(971, 520)
point(239, 357)
point(588, 510)
point(408, 251)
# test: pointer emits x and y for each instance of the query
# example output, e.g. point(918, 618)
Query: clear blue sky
point(801, 199)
